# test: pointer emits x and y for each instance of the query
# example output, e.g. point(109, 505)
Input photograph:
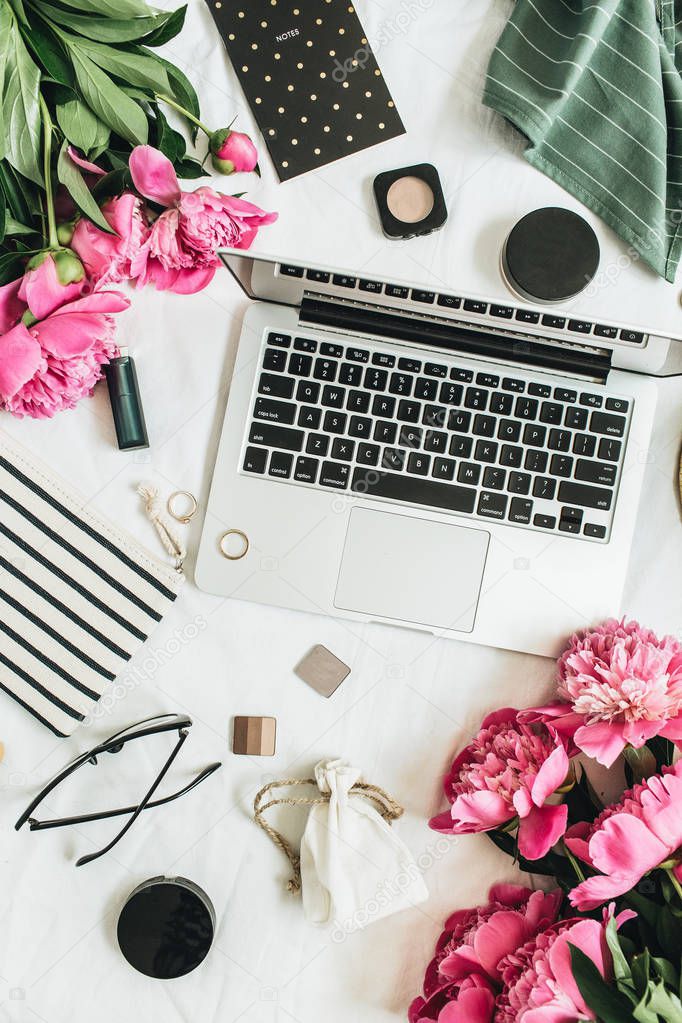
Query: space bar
point(375, 483)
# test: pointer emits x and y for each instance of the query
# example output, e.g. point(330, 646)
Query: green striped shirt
point(595, 86)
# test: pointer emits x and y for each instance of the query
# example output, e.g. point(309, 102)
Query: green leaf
point(70, 176)
point(78, 123)
point(3, 216)
point(182, 91)
point(102, 139)
point(609, 1005)
point(170, 142)
point(189, 168)
point(668, 931)
point(111, 30)
point(666, 971)
point(552, 864)
point(110, 8)
point(663, 750)
point(133, 68)
point(13, 227)
point(168, 30)
point(118, 111)
point(621, 969)
point(641, 761)
point(14, 193)
point(11, 265)
point(48, 50)
point(640, 968)
point(21, 111)
point(664, 1003)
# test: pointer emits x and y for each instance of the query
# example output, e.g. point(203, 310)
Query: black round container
point(166, 927)
point(550, 255)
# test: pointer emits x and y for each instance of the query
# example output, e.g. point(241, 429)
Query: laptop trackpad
point(411, 569)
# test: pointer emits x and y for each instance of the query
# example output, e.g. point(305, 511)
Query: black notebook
point(310, 77)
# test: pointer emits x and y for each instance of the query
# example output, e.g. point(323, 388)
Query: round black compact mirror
point(550, 255)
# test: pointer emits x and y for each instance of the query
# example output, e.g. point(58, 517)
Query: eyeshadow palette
point(310, 77)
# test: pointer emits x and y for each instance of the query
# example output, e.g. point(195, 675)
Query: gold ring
point(172, 501)
point(244, 539)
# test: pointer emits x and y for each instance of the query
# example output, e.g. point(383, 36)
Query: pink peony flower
point(619, 684)
point(538, 978)
point(470, 1000)
point(109, 258)
point(509, 770)
point(52, 364)
point(50, 280)
point(630, 838)
point(233, 151)
point(180, 252)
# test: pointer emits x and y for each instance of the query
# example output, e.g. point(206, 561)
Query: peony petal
point(42, 291)
point(84, 164)
point(576, 841)
point(500, 717)
point(475, 1005)
point(483, 810)
point(672, 729)
point(522, 801)
point(551, 776)
point(11, 306)
point(599, 889)
point(512, 895)
point(188, 282)
point(153, 175)
point(97, 302)
point(70, 335)
point(625, 846)
point(541, 829)
point(602, 741)
point(588, 936)
point(442, 822)
point(20, 358)
point(503, 933)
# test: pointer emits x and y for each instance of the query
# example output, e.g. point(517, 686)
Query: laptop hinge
point(503, 346)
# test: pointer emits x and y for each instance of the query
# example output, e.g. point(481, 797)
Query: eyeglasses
point(149, 726)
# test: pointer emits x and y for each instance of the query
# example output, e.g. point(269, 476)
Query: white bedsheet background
point(410, 700)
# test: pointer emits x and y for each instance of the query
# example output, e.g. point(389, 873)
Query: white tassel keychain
point(152, 506)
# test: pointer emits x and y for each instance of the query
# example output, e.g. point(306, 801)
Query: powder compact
point(410, 201)
point(550, 255)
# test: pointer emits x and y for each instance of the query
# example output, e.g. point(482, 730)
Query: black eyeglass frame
point(114, 744)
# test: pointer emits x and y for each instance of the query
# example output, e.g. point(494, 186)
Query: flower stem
point(47, 173)
point(675, 883)
point(185, 113)
point(572, 860)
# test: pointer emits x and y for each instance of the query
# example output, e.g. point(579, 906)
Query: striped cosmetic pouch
point(77, 595)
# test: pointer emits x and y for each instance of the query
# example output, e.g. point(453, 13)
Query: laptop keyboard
point(437, 433)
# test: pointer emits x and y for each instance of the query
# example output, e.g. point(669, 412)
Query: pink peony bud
point(233, 151)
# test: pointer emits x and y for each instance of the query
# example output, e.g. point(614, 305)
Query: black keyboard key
point(383, 407)
point(551, 413)
point(376, 379)
point(344, 281)
point(335, 422)
point(275, 360)
point(501, 403)
point(461, 447)
point(561, 465)
point(343, 449)
point(570, 520)
point(396, 291)
point(358, 401)
point(325, 369)
point(307, 391)
point(509, 431)
point(422, 296)
point(360, 427)
point(575, 417)
point(536, 461)
point(385, 432)
point(335, 475)
point(465, 376)
point(426, 389)
point(591, 400)
point(280, 464)
point(559, 440)
point(416, 490)
point(408, 411)
point(287, 270)
point(617, 405)
point(603, 473)
point(351, 374)
point(305, 344)
point(271, 436)
point(487, 380)
point(357, 354)
point(527, 316)
point(604, 422)
point(494, 478)
point(492, 505)
point(305, 470)
point(534, 436)
point(512, 384)
point(633, 336)
point(520, 511)
point(504, 312)
point(584, 496)
point(564, 394)
point(484, 426)
point(372, 286)
point(255, 460)
point(279, 340)
point(580, 326)
point(597, 532)
point(511, 456)
point(384, 360)
point(526, 408)
point(401, 384)
point(519, 483)
point(459, 421)
point(583, 444)
point(473, 306)
point(609, 449)
point(555, 322)
point(419, 463)
point(436, 441)
point(450, 393)
point(544, 521)
point(410, 437)
point(540, 390)
point(368, 454)
point(544, 487)
point(476, 399)
point(485, 451)
point(469, 473)
point(319, 276)
point(601, 330)
point(317, 444)
point(309, 417)
point(435, 369)
point(393, 458)
point(333, 397)
point(449, 301)
point(274, 411)
point(409, 365)
point(274, 386)
point(300, 365)
point(444, 468)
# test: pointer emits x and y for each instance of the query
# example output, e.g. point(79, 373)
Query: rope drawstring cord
point(172, 544)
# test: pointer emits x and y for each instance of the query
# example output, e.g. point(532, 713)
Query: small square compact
point(410, 201)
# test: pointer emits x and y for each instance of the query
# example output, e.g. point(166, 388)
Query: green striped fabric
point(595, 87)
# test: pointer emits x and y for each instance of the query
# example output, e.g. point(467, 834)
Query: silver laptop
point(443, 462)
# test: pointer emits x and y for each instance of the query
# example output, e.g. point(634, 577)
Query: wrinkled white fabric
point(354, 867)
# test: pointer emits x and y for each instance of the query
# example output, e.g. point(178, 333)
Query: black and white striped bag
point(77, 595)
